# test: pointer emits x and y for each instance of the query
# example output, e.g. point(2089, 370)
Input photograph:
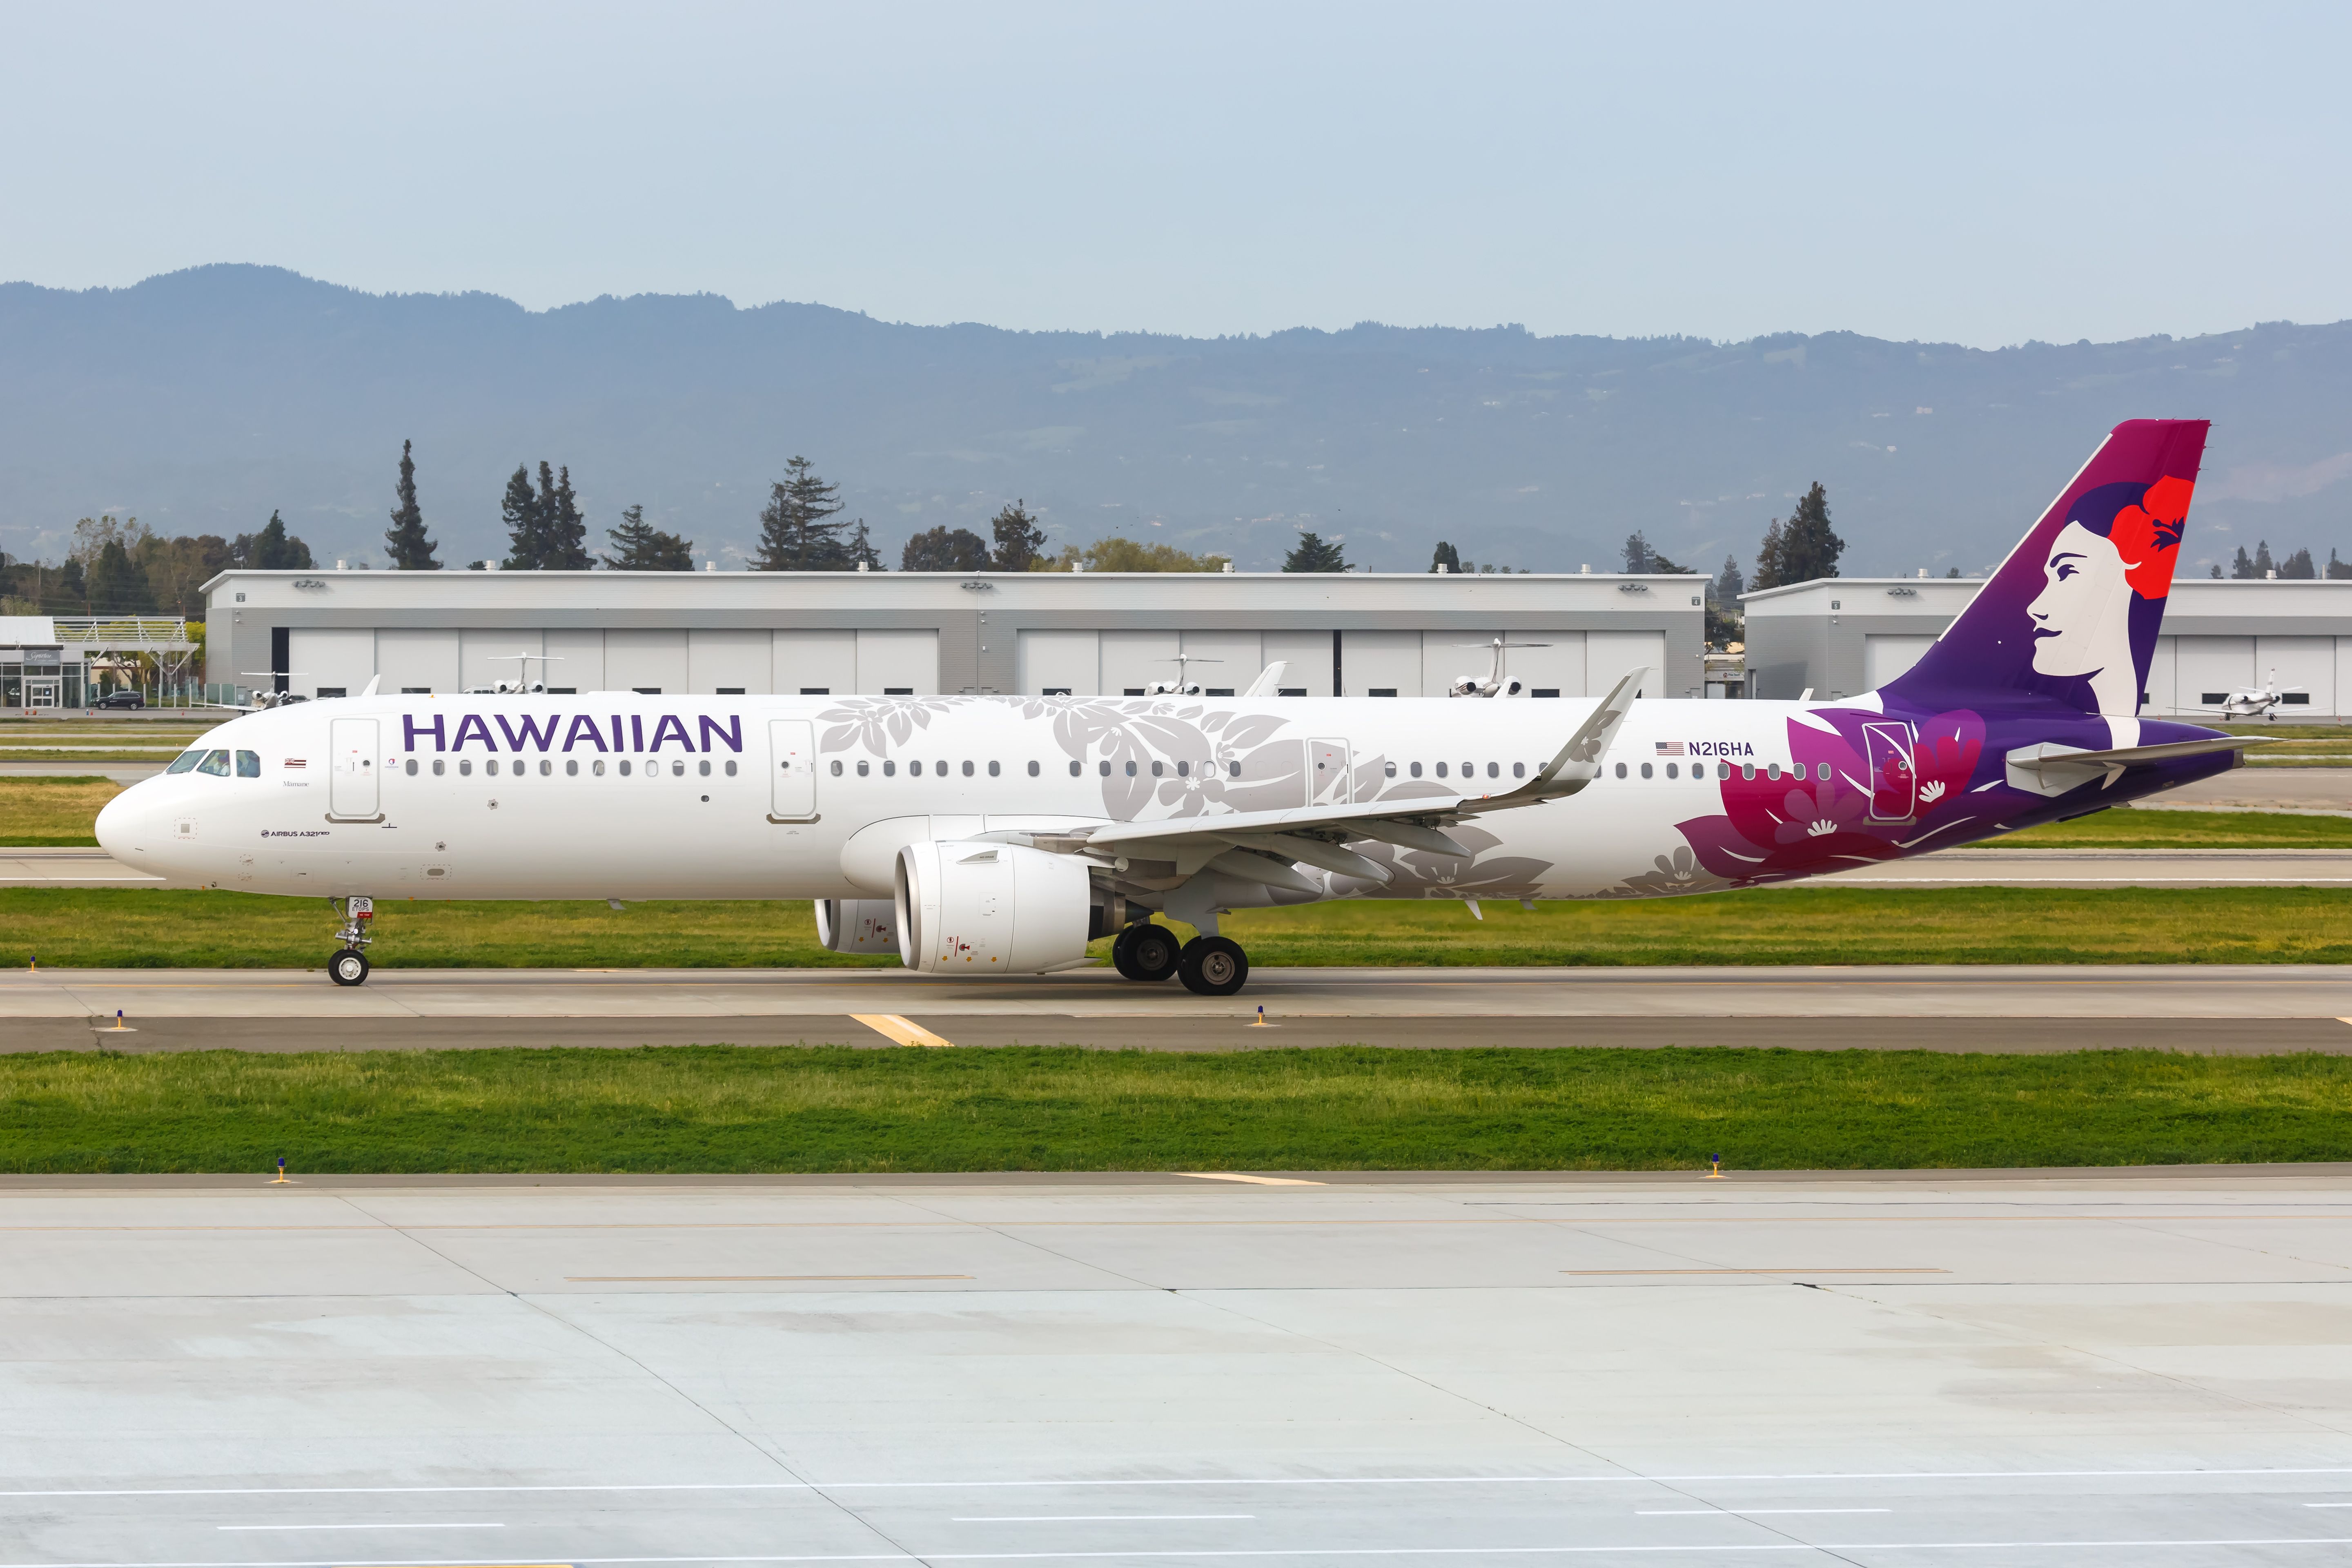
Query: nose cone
point(125, 824)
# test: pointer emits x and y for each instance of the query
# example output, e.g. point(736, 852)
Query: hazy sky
point(1981, 172)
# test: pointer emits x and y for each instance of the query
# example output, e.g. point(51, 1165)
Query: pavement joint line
point(1253, 1180)
point(2231, 1217)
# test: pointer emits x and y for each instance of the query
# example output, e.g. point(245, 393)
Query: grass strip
point(2129, 829)
point(52, 812)
point(722, 1109)
point(150, 927)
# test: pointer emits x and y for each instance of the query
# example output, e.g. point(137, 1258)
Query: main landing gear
point(1208, 965)
point(350, 966)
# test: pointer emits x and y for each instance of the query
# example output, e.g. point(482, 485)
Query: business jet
point(1494, 685)
point(2262, 702)
point(999, 836)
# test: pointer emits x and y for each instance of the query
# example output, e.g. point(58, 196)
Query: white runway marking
point(1253, 1180)
point(1087, 1518)
point(1744, 1512)
point(456, 1526)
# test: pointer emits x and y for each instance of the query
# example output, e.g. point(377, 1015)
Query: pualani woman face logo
point(2117, 547)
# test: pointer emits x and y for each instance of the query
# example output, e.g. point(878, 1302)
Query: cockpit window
point(214, 762)
point(184, 762)
point(249, 765)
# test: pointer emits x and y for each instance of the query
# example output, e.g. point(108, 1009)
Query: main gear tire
point(1153, 954)
point(1213, 966)
point(349, 967)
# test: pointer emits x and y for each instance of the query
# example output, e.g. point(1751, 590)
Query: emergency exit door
point(1894, 774)
point(1327, 773)
point(792, 770)
point(352, 788)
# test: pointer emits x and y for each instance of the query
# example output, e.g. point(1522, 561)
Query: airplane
point(265, 701)
point(1494, 685)
point(2259, 703)
point(997, 836)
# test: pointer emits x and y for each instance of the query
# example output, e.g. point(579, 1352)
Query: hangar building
point(1842, 634)
point(1352, 634)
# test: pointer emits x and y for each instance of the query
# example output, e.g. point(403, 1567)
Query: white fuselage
point(621, 795)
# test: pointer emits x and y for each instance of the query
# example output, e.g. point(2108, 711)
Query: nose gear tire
point(349, 967)
point(1213, 966)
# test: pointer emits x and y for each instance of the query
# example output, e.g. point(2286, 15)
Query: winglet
point(1579, 763)
point(373, 681)
point(1268, 679)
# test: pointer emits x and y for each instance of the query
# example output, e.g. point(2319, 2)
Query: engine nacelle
point(966, 908)
point(858, 925)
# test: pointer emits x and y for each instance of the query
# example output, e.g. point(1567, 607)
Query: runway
point(2233, 1009)
point(2085, 1367)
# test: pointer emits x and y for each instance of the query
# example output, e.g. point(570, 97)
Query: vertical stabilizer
point(2069, 619)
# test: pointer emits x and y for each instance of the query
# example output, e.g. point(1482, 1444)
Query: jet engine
point(968, 907)
point(858, 925)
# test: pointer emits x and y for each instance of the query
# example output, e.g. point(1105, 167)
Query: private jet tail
point(2069, 621)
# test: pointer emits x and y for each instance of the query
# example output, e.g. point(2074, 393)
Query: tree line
point(2259, 566)
point(121, 567)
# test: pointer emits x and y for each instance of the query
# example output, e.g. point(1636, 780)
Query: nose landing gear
point(350, 966)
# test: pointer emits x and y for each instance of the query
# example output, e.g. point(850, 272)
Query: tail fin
point(2069, 619)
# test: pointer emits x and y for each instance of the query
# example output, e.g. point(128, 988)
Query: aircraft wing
point(1313, 834)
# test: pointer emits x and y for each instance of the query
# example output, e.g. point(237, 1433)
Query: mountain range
point(200, 401)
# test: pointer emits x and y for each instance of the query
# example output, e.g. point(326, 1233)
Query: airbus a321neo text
point(997, 836)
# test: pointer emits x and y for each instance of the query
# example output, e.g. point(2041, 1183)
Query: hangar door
point(1885, 656)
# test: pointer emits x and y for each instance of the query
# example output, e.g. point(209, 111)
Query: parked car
point(121, 699)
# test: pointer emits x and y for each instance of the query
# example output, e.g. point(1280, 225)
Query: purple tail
point(2069, 619)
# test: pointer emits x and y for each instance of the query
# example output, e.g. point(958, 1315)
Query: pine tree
point(2217, 571)
point(411, 547)
point(797, 528)
point(1768, 558)
point(1446, 556)
point(271, 550)
point(2262, 564)
point(115, 585)
point(2338, 570)
point(639, 547)
point(1809, 547)
point(861, 548)
point(567, 530)
point(1637, 554)
point(1728, 583)
point(2299, 566)
point(1313, 554)
point(943, 548)
point(1019, 539)
point(2243, 566)
point(519, 511)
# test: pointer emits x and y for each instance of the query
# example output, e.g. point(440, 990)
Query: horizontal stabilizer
point(2050, 769)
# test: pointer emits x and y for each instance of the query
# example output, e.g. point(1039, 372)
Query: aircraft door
point(1328, 782)
point(1893, 779)
point(351, 789)
point(791, 777)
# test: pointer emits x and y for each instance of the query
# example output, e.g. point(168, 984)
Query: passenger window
point(1723, 770)
point(731, 767)
point(184, 762)
point(439, 767)
point(1155, 769)
point(676, 768)
point(214, 762)
point(1772, 772)
point(1105, 767)
point(1416, 770)
point(571, 767)
point(624, 768)
point(491, 767)
point(412, 767)
point(1441, 770)
point(863, 768)
point(1620, 770)
point(546, 768)
point(1390, 769)
point(597, 767)
point(915, 770)
point(994, 770)
point(466, 767)
point(1747, 770)
point(1233, 770)
point(1672, 772)
point(1645, 769)
point(940, 769)
point(967, 767)
point(1519, 769)
point(1493, 770)
point(249, 765)
point(1184, 770)
point(890, 770)
point(1825, 773)
point(703, 767)
point(837, 767)
point(1469, 770)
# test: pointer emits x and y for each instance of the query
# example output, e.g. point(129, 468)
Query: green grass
point(39, 812)
point(2130, 829)
point(142, 928)
point(718, 1108)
